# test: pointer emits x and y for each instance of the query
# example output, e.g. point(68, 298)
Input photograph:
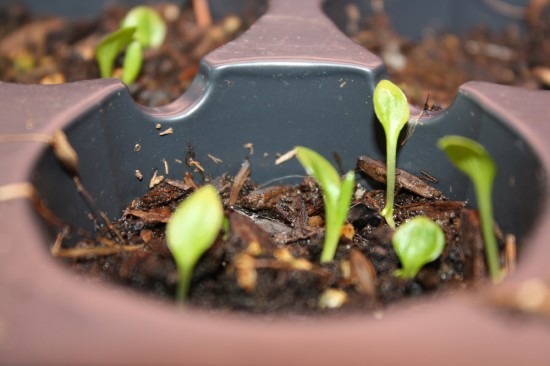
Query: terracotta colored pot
point(293, 78)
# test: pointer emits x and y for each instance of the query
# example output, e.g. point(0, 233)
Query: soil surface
point(52, 50)
point(438, 64)
point(268, 262)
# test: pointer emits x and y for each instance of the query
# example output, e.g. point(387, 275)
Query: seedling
point(336, 194)
point(142, 28)
point(473, 160)
point(192, 229)
point(417, 242)
point(392, 110)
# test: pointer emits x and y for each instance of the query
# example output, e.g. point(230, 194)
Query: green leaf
point(392, 110)
point(391, 107)
point(192, 229)
point(346, 193)
point(132, 62)
point(469, 157)
point(320, 169)
point(417, 242)
point(473, 160)
point(337, 196)
point(150, 27)
point(110, 47)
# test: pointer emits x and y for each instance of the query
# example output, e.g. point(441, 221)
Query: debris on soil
point(268, 262)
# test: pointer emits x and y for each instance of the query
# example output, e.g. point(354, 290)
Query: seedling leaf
point(320, 169)
point(392, 110)
point(110, 47)
point(473, 160)
point(336, 194)
point(150, 27)
point(192, 229)
point(132, 62)
point(417, 242)
point(142, 28)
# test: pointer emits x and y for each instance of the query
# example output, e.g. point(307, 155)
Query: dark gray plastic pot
point(293, 78)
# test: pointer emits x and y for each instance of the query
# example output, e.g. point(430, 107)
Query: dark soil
point(437, 65)
point(269, 260)
point(52, 50)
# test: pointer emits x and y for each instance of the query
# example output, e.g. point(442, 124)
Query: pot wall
point(310, 86)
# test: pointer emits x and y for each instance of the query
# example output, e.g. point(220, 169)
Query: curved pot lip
point(53, 308)
point(50, 317)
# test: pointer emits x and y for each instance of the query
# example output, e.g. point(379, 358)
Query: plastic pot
point(292, 79)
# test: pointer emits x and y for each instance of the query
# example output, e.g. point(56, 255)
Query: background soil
point(268, 260)
point(50, 50)
point(437, 65)
point(53, 50)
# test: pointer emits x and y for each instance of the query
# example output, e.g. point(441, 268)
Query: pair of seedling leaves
point(198, 220)
point(141, 28)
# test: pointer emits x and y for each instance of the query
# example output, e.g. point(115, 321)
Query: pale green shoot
point(142, 28)
point(192, 229)
point(473, 160)
point(336, 194)
point(392, 110)
point(417, 242)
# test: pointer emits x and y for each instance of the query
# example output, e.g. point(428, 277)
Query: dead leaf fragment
point(168, 131)
point(216, 160)
point(238, 182)
point(246, 273)
point(64, 152)
point(155, 179)
point(96, 252)
point(377, 171)
point(153, 215)
point(363, 273)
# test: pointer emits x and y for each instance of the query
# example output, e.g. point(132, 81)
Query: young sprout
point(336, 194)
point(392, 110)
point(142, 28)
point(192, 229)
point(417, 242)
point(473, 160)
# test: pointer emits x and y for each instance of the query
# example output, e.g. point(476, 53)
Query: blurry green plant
point(192, 229)
point(336, 195)
point(392, 110)
point(473, 160)
point(141, 28)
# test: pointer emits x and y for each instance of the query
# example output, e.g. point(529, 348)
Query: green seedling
point(417, 242)
point(142, 28)
point(192, 229)
point(336, 194)
point(392, 110)
point(473, 160)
